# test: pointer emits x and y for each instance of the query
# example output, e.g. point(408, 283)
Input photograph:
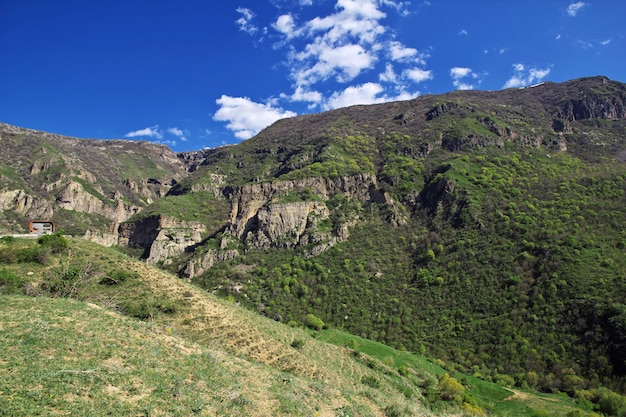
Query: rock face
point(172, 241)
point(24, 204)
point(286, 225)
point(246, 201)
point(87, 187)
point(99, 188)
point(199, 265)
point(593, 106)
point(279, 215)
point(74, 197)
point(161, 237)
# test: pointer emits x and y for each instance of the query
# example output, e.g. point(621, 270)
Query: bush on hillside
point(10, 283)
point(56, 242)
point(450, 388)
point(314, 322)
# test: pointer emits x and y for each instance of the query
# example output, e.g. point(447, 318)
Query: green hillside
point(88, 331)
point(498, 245)
point(483, 230)
point(493, 237)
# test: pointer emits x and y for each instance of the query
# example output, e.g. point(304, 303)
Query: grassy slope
point(193, 355)
point(255, 369)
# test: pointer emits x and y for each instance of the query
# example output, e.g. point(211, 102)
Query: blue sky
point(194, 74)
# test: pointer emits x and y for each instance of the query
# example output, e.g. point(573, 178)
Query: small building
point(41, 227)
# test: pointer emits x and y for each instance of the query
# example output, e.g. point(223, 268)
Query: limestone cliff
point(270, 215)
point(161, 237)
point(87, 187)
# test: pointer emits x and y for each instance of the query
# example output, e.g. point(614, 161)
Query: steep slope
point(86, 186)
point(382, 151)
point(484, 227)
point(194, 354)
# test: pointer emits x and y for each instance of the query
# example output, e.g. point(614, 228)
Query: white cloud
point(389, 75)
point(302, 94)
point(245, 21)
point(404, 95)
point(148, 132)
point(367, 93)
point(400, 6)
point(343, 44)
point(245, 117)
point(178, 133)
point(463, 32)
point(418, 75)
point(606, 42)
point(399, 52)
point(362, 94)
point(574, 8)
point(286, 25)
point(344, 62)
point(458, 74)
point(523, 77)
point(337, 47)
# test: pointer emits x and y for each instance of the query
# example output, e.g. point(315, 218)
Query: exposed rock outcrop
point(25, 204)
point(74, 197)
point(287, 225)
point(594, 107)
point(161, 237)
point(248, 199)
point(201, 264)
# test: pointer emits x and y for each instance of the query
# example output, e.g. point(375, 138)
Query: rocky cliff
point(87, 186)
point(290, 186)
point(273, 215)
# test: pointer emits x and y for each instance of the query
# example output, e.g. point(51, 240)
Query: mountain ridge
point(478, 217)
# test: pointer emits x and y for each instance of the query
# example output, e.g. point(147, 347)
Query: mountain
point(484, 228)
point(85, 186)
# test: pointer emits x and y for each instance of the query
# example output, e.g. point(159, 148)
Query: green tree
point(450, 388)
point(313, 322)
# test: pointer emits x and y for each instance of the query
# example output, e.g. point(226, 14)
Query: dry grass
point(254, 370)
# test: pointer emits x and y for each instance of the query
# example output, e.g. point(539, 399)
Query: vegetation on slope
point(511, 242)
point(509, 259)
point(193, 354)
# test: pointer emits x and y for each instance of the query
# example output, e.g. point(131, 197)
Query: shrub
point(30, 254)
point(473, 410)
point(351, 344)
point(313, 322)
point(370, 381)
point(611, 403)
point(450, 388)
point(297, 343)
point(55, 242)
point(10, 283)
point(117, 277)
point(64, 282)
